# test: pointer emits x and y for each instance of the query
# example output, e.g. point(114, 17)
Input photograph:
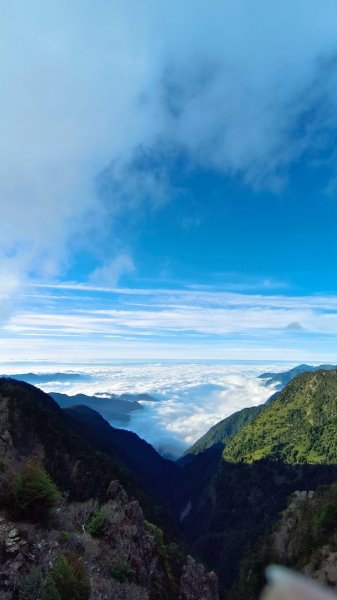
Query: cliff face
point(94, 541)
point(197, 583)
point(306, 536)
point(304, 539)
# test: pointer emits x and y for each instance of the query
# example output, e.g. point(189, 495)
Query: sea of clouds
point(191, 396)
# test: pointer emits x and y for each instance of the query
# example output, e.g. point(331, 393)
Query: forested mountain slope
point(221, 432)
point(300, 426)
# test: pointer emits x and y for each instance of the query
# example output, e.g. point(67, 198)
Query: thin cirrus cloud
point(156, 322)
point(86, 84)
point(136, 323)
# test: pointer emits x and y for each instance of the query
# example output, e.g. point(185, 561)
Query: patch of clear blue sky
point(217, 230)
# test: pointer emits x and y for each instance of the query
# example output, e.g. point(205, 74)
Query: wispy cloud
point(203, 295)
point(180, 322)
point(111, 271)
point(201, 320)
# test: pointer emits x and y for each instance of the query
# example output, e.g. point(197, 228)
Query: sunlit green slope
point(299, 427)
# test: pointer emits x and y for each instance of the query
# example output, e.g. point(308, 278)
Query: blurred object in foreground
point(284, 584)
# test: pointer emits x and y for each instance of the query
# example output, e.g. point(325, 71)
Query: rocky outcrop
point(23, 547)
point(122, 563)
point(131, 541)
point(285, 536)
point(306, 535)
point(139, 543)
point(126, 559)
point(197, 584)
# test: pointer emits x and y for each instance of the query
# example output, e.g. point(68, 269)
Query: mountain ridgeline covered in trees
point(299, 427)
point(230, 501)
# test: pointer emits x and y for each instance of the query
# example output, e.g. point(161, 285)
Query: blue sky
point(168, 180)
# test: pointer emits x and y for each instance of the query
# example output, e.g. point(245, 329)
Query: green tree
point(69, 578)
point(96, 526)
point(32, 492)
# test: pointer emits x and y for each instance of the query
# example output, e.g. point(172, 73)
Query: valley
point(220, 502)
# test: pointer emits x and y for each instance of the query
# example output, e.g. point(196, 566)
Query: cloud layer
point(191, 396)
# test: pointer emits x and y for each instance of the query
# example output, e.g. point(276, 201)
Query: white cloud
point(70, 78)
point(111, 272)
point(85, 84)
point(191, 396)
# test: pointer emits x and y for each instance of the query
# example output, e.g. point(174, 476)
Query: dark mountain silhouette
point(114, 408)
point(38, 378)
point(149, 468)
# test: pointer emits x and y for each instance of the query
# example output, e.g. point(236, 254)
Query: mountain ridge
point(284, 377)
point(298, 427)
